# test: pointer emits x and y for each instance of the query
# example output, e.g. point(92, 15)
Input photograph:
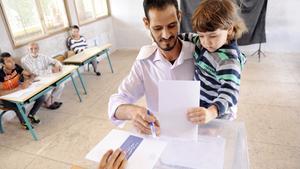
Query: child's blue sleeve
point(229, 75)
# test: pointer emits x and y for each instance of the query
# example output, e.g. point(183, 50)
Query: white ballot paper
point(206, 153)
point(141, 152)
point(175, 97)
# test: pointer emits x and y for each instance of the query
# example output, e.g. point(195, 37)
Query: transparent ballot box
point(220, 143)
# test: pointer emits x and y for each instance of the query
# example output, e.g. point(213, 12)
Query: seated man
point(12, 78)
point(39, 65)
point(77, 43)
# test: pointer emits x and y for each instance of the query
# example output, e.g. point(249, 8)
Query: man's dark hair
point(74, 27)
point(158, 4)
point(4, 55)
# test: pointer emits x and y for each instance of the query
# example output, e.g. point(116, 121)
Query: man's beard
point(168, 47)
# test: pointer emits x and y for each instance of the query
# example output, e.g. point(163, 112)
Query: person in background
point(12, 78)
point(77, 43)
point(42, 65)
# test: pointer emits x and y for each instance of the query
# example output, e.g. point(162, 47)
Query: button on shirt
point(149, 68)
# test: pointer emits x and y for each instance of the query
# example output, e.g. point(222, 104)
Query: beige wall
point(103, 29)
point(125, 29)
point(282, 26)
point(128, 23)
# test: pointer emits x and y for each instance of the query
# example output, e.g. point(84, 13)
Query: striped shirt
point(219, 74)
point(77, 45)
point(40, 65)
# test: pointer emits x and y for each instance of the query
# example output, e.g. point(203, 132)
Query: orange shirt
point(11, 81)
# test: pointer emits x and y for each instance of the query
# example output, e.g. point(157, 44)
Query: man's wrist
point(126, 112)
point(134, 110)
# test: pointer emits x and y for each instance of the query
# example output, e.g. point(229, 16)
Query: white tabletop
point(86, 54)
point(36, 87)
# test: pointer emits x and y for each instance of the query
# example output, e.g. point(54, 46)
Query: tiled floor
point(269, 106)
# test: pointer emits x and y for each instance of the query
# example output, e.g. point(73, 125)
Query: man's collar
point(33, 56)
point(148, 50)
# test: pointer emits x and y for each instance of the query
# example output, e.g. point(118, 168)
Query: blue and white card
point(141, 151)
point(130, 144)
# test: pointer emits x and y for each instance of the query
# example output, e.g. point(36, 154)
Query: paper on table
point(38, 82)
point(206, 153)
point(144, 153)
point(30, 89)
point(175, 97)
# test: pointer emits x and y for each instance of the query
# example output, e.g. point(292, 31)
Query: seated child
point(12, 78)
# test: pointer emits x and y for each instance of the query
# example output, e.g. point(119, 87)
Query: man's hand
point(113, 160)
point(201, 115)
point(56, 68)
point(141, 121)
point(25, 84)
point(139, 117)
point(33, 76)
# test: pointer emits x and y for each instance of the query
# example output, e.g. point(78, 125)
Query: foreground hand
point(201, 115)
point(113, 160)
point(141, 121)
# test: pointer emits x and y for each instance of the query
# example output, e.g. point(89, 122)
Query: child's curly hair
point(211, 15)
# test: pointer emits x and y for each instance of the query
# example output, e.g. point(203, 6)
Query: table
point(87, 56)
point(236, 148)
point(37, 89)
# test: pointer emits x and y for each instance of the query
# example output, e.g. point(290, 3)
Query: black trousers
point(36, 106)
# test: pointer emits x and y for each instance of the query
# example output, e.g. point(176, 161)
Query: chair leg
point(1, 126)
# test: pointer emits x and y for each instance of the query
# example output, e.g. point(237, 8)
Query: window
point(29, 20)
point(90, 10)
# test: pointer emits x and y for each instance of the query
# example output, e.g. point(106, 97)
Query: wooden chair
point(60, 58)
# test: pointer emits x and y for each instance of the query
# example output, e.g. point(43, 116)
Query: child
point(13, 77)
point(77, 44)
point(218, 60)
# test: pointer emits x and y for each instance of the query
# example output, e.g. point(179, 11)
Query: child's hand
point(201, 115)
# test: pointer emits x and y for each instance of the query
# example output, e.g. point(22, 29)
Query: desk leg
point(107, 56)
point(81, 81)
point(32, 131)
point(74, 84)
